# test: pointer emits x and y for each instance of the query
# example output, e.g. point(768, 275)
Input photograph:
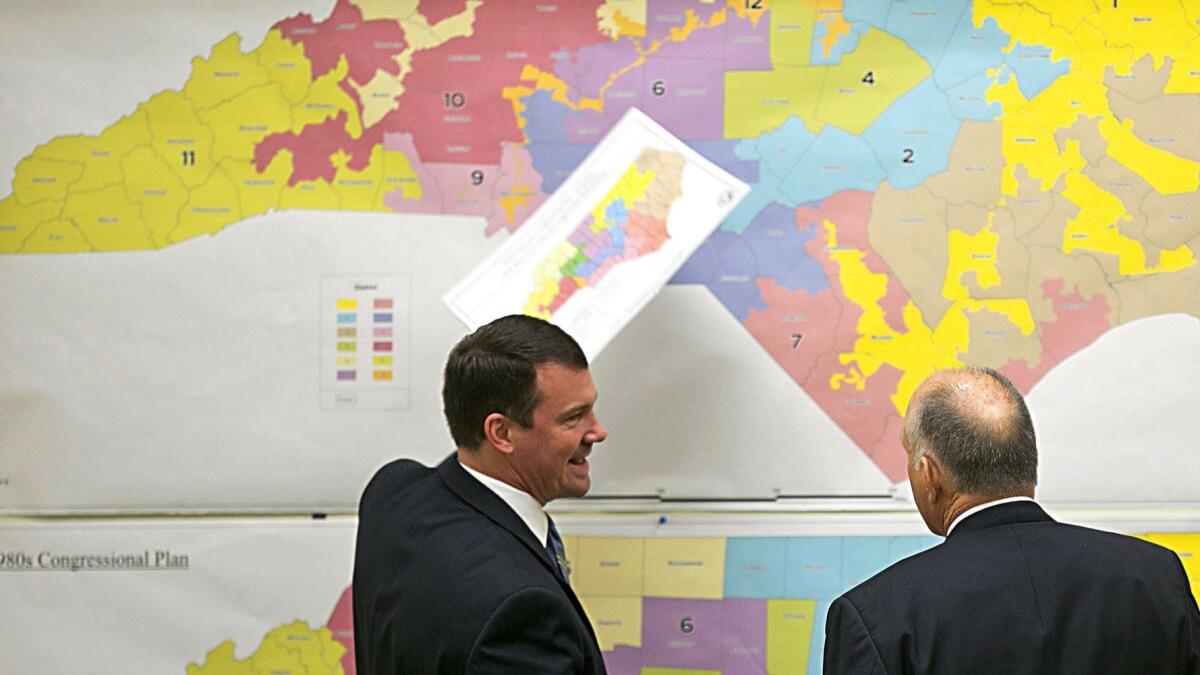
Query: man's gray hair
point(975, 423)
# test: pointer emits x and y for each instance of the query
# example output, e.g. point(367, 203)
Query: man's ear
point(934, 478)
point(497, 430)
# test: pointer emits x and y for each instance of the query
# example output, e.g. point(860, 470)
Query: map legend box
point(366, 315)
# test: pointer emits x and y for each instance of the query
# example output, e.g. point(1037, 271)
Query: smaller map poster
point(608, 239)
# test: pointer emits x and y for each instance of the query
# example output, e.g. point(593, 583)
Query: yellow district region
point(789, 634)
point(181, 164)
point(226, 73)
point(1188, 547)
point(608, 566)
point(1095, 228)
point(685, 568)
point(630, 187)
point(157, 190)
point(1094, 38)
point(916, 353)
point(286, 65)
point(850, 103)
point(622, 18)
point(791, 33)
point(326, 99)
point(970, 253)
point(241, 122)
point(758, 101)
point(294, 648)
point(617, 621)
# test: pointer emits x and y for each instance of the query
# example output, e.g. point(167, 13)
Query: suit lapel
point(486, 502)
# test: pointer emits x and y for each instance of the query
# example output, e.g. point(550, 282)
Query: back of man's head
point(494, 370)
point(975, 423)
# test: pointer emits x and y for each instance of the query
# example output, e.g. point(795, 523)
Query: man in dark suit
point(457, 569)
point(1010, 590)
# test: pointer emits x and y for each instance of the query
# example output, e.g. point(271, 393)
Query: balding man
point(1010, 590)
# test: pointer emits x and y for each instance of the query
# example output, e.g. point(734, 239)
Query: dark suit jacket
point(448, 579)
point(1012, 591)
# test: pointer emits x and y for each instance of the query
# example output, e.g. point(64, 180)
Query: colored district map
point(628, 222)
point(935, 182)
point(670, 605)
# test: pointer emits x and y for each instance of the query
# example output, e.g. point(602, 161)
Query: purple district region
point(686, 96)
point(590, 67)
point(744, 624)
point(726, 265)
point(779, 249)
point(682, 633)
point(664, 15)
point(770, 247)
point(747, 46)
point(623, 661)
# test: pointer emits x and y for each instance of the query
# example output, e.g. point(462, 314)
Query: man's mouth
point(579, 460)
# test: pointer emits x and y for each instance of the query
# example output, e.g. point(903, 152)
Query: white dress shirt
point(527, 508)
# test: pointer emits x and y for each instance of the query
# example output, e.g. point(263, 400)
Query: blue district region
point(778, 150)
point(971, 52)
point(556, 161)
point(968, 101)
point(545, 126)
point(837, 160)
point(1034, 69)
point(913, 137)
point(923, 24)
point(755, 567)
point(844, 45)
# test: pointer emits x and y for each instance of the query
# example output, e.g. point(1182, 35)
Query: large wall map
point(935, 183)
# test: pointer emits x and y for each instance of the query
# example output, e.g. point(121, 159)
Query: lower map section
point(226, 596)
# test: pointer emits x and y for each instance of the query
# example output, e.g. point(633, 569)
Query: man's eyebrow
point(575, 410)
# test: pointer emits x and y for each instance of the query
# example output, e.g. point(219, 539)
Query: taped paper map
point(608, 239)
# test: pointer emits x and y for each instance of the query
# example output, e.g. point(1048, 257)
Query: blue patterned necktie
point(556, 551)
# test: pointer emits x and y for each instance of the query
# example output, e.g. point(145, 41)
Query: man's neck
point(484, 462)
point(961, 503)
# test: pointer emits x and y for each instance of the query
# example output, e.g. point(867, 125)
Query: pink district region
point(466, 189)
point(519, 189)
point(341, 625)
point(796, 328)
point(1078, 322)
point(367, 45)
point(725, 635)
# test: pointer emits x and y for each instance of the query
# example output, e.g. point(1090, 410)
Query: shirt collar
point(523, 503)
point(976, 509)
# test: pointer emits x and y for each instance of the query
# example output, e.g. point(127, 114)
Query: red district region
point(367, 45)
point(453, 101)
point(436, 10)
point(1078, 323)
